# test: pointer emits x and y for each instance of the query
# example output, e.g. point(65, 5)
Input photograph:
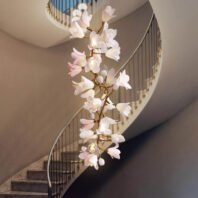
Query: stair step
point(57, 165)
point(16, 194)
point(30, 186)
point(70, 155)
point(41, 175)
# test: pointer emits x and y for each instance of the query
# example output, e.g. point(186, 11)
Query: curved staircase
point(53, 175)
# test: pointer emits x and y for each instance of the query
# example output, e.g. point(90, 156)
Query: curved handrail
point(140, 43)
point(77, 112)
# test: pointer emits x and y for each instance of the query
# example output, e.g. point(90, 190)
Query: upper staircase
point(53, 175)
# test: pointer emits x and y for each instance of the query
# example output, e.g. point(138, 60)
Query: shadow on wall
point(92, 182)
point(161, 163)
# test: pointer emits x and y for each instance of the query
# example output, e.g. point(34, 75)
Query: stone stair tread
point(33, 181)
point(42, 175)
point(32, 185)
point(20, 194)
point(57, 162)
point(54, 171)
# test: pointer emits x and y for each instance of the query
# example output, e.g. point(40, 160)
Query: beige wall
point(36, 95)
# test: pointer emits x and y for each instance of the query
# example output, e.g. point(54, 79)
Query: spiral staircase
point(54, 174)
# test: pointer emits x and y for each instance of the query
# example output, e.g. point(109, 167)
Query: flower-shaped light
point(98, 128)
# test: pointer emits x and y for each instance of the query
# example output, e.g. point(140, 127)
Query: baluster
point(153, 49)
point(66, 167)
point(53, 173)
point(135, 80)
point(150, 52)
point(147, 61)
point(131, 83)
point(156, 46)
point(140, 73)
point(143, 69)
point(69, 15)
point(69, 150)
point(57, 8)
point(62, 11)
point(56, 164)
point(50, 171)
point(73, 146)
point(77, 136)
point(58, 160)
point(62, 174)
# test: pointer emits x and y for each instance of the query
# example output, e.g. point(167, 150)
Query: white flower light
point(93, 104)
point(89, 159)
point(84, 85)
point(87, 124)
point(104, 126)
point(97, 43)
point(100, 79)
point(87, 94)
point(111, 77)
point(76, 31)
point(93, 64)
point(86, 134)
point(116, 138)
point(110, 106)
point(74, 69)
point(113, 53)
point(85, 20)
point(76, 14)
point(108, 36)
point(108, 14)
point(79, 57)
point(82, 6)
point(101, 162)
point(123, 81)
point(97, 129)
point(124, 109)
point(114, 152)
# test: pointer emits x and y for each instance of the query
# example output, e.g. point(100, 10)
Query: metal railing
point(63, 163)
point(60, 11)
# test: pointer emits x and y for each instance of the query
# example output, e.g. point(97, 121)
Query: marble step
point(31, 186)
point(16, 194)
point(57, 165)
point(41, 175)
point(70, 156)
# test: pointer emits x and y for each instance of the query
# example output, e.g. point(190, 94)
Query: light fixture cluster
point(97, 89)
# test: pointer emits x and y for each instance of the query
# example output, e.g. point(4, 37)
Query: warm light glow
point(94, 42)
point(92, 148)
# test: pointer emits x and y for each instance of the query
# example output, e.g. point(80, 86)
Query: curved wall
point(36, 93)
point(178, 83)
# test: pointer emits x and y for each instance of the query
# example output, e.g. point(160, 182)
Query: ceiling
point(26, 20)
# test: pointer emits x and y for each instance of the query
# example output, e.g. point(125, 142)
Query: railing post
point(49, 192)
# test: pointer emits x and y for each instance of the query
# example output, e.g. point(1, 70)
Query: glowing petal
point(124, 109)
point(108, 13)
point(114, 152)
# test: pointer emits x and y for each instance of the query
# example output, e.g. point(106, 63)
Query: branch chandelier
point(98, 85)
